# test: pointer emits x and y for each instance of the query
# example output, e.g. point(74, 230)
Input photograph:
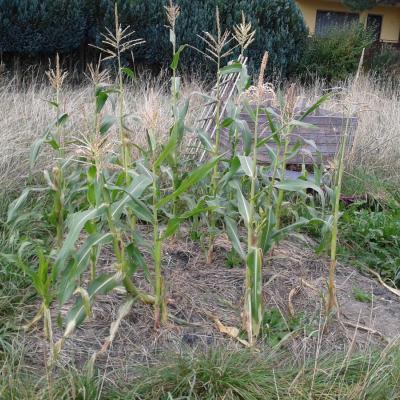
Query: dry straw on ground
point(200, 294)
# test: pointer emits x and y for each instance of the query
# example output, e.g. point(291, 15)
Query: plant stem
point(160, 308)
point(123, 137)
point(119, 251)
point(281, 192)
point(214, 177)
point(253, 292)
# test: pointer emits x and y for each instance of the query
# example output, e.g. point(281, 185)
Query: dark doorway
point(374, 24)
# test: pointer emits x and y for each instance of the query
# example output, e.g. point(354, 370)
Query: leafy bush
point(373, 237)
point(336, 55)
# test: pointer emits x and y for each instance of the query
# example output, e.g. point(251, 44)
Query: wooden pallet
point(206, 121)
point(327, 135)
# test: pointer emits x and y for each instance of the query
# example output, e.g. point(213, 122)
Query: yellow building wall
point(390, 21)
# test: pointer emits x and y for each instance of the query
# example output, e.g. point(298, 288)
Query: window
point(328, 20)
point(374, 23)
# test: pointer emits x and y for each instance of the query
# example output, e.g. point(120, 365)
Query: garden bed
point(293, 287)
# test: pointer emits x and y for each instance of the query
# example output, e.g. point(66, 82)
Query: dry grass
point(376, 147)
point(25, 115)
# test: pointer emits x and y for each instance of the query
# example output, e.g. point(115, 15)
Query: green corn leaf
point(128, 72)
point(101, 285)
point(247, 141)
point(136, 260)
point(141, 210)
point(43, 267)
point(250, 111)
point(234, 166)
point(261, 142)
point(268, 230)
point(233, 68)
point(243, 206)
point(67, 282)
point(53, 143)
point(101, 98)
point(294, 150)
point(205, 141)
point(299, 185)
point(195, 176)
point(133, 192)
point(270, 121)
point(53, 103)
point(75, 223)
point(173, 224)
point(272, 155)
point(177, 55)
point(94, 240)
point(36, 148)
point(227, 122)
point(167, 150)
point(233, 235)
point(247, 165)
point(279, 234)
point(62, 120)
point(302, 124)
point(107, 122)
point(15, 206)
point(316, 105)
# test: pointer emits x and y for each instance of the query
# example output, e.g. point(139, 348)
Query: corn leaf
point(299, 185)
point(233, 235)
point(133, 192)
point(101, 98)
point(267, 232)
point(173, 224)
point(101, 285)
point(233, 68)
point(197, 175)
point(316, 105)
point(247, 165)
point(177, 55)
point(75, 223)
point(243, 206)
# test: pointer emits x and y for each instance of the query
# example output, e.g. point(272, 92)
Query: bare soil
point(294, 284)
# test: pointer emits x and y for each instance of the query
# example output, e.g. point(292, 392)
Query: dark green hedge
point(47, 26)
